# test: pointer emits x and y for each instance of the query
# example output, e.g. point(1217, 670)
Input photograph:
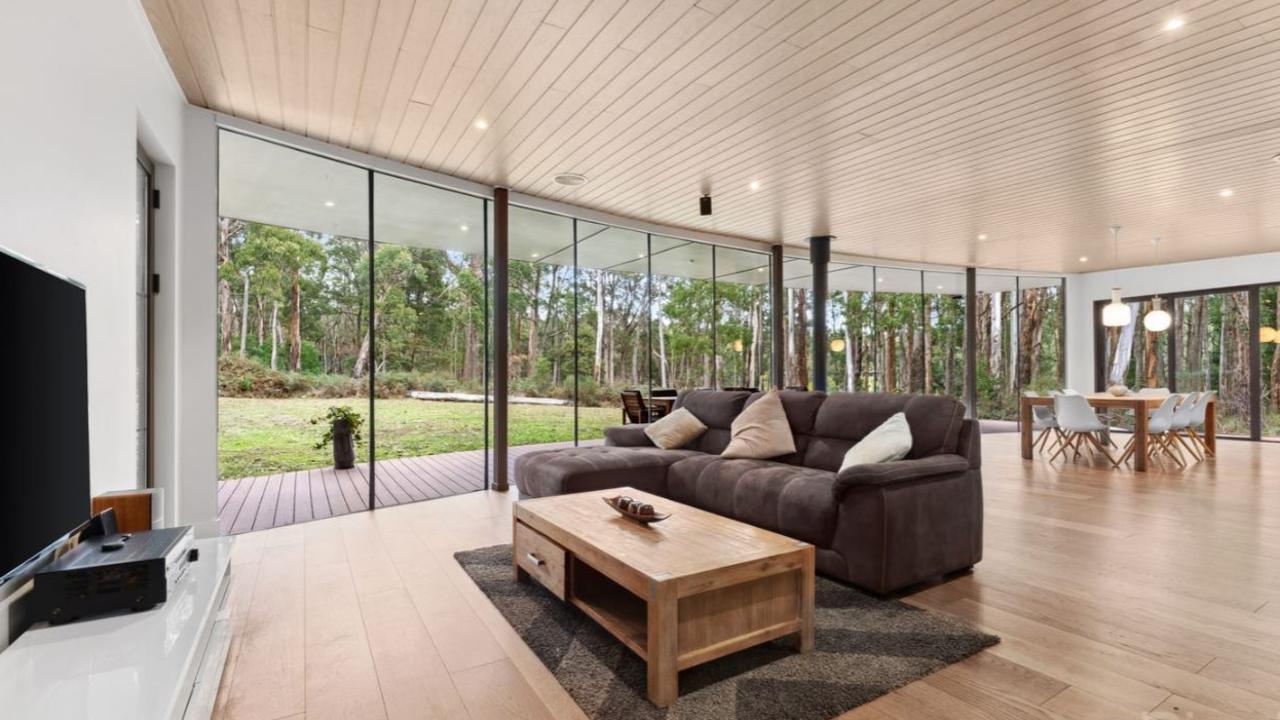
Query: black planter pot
point(344, 448)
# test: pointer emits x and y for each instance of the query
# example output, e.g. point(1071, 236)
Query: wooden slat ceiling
point(999, 133)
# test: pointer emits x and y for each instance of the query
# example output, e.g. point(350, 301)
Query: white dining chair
point(1182, 417)
point(1079, 424)
point(1153, 391)
point(1158, 440)
point(1045, 422)
point(1196, 424)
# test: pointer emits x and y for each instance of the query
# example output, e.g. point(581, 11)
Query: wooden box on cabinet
point(134, 508)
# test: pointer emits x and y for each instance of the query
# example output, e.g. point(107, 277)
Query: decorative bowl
point(644, 514)
point(1118, 390)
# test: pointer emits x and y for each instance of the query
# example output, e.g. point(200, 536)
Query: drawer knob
point(537, 561)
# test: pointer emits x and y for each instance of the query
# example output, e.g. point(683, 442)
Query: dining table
point(1140, 405)
point(666, 402)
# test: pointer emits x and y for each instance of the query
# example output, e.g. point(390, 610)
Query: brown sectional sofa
point(882, 527)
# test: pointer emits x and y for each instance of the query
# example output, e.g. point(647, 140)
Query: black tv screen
point(44, 421)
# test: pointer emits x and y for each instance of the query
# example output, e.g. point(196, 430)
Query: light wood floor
point(1116, 595)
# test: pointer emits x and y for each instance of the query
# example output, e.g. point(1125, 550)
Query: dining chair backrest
point(1069, 391)
point(1075, 414)
point(1183, 414)
point(1202, 405)
point(1153, 391)
point(633, 406)
point(1162, 419)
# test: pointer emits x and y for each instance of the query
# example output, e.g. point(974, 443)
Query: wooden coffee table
point(680, 592)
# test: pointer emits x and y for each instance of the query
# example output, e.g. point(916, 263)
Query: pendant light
point(1158, 320)
point(1116, 313)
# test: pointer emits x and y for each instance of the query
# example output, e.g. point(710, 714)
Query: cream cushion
point(675, 430)
point(890, 441)
point(761, 431)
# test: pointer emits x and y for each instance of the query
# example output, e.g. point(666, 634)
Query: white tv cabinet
point(164, 663)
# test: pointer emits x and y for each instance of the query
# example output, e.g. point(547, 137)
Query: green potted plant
point(342, 428)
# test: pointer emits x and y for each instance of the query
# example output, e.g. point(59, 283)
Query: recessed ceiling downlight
point(571, 179)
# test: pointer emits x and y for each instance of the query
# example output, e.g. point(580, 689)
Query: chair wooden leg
point(1128, 451)
point(1188, 446)
point(1099, 447)
point(1041, 441)
point(1066, 443)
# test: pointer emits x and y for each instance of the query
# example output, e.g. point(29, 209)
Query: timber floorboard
point(1117, 595)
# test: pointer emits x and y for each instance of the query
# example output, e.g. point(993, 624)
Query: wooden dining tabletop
point(1139, 404)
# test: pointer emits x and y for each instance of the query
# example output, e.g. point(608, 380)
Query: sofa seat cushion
point(570, 470)
point(787, 499)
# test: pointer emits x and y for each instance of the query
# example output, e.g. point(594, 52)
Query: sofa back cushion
point(716, 409)
point(845, 418)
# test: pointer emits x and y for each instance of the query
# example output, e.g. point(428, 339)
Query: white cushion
point(761, 431)
point(890, 441)
point(675, 430)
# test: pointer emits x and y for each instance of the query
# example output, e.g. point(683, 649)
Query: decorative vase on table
point(344, 448)
point(1118, 390)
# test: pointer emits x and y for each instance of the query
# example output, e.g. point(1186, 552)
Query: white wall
point(1085, 288)
point(83, 83)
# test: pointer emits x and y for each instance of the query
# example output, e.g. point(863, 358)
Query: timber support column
point(502, 325)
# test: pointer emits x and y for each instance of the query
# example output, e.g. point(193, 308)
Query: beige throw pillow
point(761, 431)
point(675, 430)
point(890, 441)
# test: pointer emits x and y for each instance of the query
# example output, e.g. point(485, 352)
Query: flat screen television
point(44, 419)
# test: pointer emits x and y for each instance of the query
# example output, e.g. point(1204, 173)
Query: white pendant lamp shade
point(1158, 320)
point(1116, 313)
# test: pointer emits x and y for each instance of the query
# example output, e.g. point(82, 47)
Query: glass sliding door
point(742, 325)
point(542, 297)
point(1041, 358)
point(1211, 344)
point(944, 334)
point(613, 323)
point(686, 340)
point(995, 346)
point(294, 349)
point(900, 323)
point(851, 363)
point(428, 354)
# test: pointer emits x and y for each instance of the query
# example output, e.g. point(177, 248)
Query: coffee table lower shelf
point(684, 621)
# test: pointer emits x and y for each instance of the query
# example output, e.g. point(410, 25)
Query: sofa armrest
point(896, 471)
point(627, 436)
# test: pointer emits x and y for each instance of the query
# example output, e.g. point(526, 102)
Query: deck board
point(268, 501)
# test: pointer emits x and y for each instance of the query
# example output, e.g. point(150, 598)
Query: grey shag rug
point(865, 647)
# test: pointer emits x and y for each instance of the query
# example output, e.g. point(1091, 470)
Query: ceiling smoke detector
point(571, 179)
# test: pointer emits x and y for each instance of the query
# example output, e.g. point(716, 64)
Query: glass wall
point(429, 326)
point(294, 348)
point(851, 363)
point(944, 334)
point(1207, 348)
point(899, 309)
point(598, 310)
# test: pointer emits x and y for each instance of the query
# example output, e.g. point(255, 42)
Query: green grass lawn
point(258, 436)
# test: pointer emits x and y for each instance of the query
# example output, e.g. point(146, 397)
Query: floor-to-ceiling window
point(851, 333)
point(742, 325)
point(1209, 346)
point(294, 349)
point(943, 347)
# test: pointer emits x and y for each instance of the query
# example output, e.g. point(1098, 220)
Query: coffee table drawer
point(541, 558)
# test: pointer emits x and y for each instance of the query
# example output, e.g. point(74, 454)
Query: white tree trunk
point(244, 315)
point(275, 331)
point(596, 365)
point(848, 355)
point(662, 354)
point(1124, 351)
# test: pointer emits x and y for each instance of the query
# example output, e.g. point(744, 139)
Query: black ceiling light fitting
point(704, 205)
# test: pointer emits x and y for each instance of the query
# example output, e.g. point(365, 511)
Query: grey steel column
point(501, 330)
point(970, 342)
point(819, 257)
point(777, 368)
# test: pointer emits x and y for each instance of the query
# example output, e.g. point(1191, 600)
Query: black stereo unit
point(112, 572)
